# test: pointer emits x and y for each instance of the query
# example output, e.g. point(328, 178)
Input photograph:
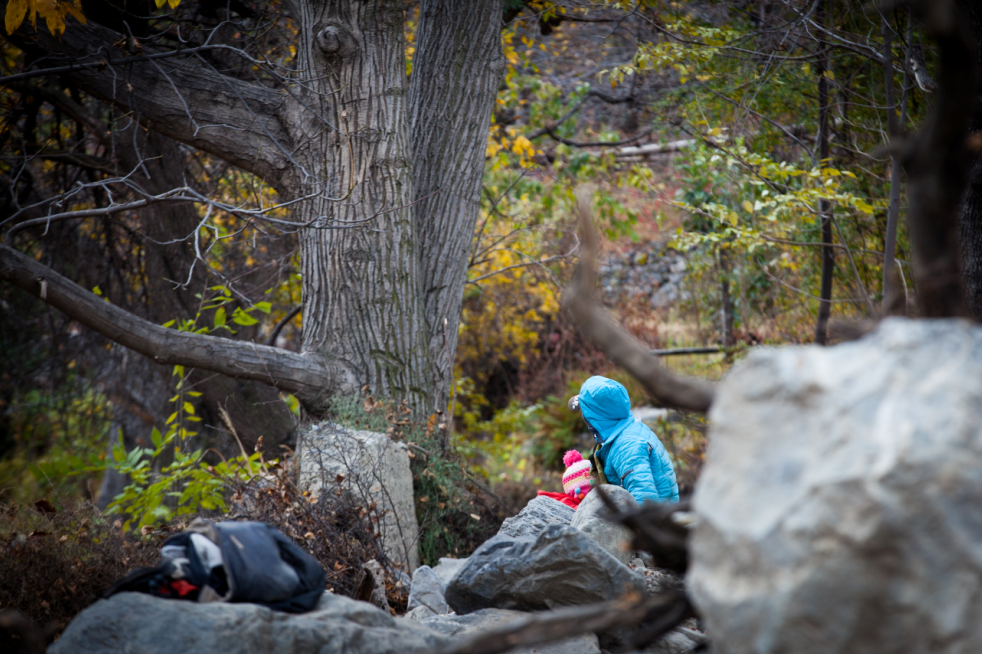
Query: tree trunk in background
point(726, 305)
point(457, 69)
point(824, 210)
point(970, 220)
point(362, 309)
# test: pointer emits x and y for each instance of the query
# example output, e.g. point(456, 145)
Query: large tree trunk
point(360, 283)
point(457, 71)
point(970, 220)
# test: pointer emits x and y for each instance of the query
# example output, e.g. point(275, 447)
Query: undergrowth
point(455, 510)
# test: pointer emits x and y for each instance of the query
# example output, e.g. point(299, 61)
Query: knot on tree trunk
point(335, 41)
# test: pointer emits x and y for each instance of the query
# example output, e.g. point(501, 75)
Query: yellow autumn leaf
point(173, 3)
point(749, 208)
point(160, 3)
point(52, 14)
point(16, 10)
point(523, 146)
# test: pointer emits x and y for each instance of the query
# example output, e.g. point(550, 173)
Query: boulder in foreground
point(838, 510)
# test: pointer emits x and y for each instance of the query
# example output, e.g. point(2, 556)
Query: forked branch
point(664, 386)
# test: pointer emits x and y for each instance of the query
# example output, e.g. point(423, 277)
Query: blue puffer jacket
point(632, 455)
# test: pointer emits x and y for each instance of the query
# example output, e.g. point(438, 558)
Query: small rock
point(536, 516)
point(592, 517)
point(373, 469)
point(427, 590)
point(447, 568)
point(560, 567)
point(419, 613)
point(490, 619)
point(674, 642)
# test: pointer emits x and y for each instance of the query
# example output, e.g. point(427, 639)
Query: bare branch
point(663, 385)
point(310, 378)
point(664, 609)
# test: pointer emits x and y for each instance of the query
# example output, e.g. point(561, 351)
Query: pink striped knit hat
point(576, 479)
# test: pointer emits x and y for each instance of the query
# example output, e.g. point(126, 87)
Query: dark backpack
point(231, 562)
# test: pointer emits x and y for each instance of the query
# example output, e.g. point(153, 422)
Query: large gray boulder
point(592, 517)
point(427, 590)
point(134, 622)
point(838, 510)
point(537, 514)
point(559, 567)
point(374, 471)
point(463, 626)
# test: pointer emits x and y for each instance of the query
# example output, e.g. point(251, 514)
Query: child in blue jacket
point(630, 453)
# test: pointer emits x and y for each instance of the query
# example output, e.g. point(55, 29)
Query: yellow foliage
point(52, 11)
point(505, 311)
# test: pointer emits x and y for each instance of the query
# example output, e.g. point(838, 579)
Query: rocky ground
point(546, 557)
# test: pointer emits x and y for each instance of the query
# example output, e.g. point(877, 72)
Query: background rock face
point(839, 508)
point(560, 567)
point(132, 622)
point(537, 514)
point(592, 518)
point(374, 469)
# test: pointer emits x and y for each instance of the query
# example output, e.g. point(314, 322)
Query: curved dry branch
point(310, 378)
point(664, 611)
point(663, 385)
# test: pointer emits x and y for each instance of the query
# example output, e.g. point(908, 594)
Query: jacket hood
point(606, 405)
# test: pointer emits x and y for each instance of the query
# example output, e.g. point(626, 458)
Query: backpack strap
point(597, 464)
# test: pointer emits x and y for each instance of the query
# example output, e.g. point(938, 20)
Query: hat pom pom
point(571, 457)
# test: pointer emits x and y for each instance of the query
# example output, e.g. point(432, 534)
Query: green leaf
point(240, 317)
point(220, 317)
point(156, 438)
point(265, 307)
point(169, 323)
point(188, 407)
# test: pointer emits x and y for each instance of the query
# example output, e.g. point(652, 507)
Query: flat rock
point(592, 517)
point(838, 510)
point(134, 622)
point(560, 567)
point(459, 626)
point(373, 470)
point(427, 590)
point(536, 516)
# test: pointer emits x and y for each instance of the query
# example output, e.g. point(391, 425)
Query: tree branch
point(232, 119)
point(666, 610)
point(310, 378)
point(663, 385)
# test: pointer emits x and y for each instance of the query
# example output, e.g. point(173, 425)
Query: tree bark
point(457, 70)
point(824, 209)
point(937, 165)
point(360, 285)
point(970, 218)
